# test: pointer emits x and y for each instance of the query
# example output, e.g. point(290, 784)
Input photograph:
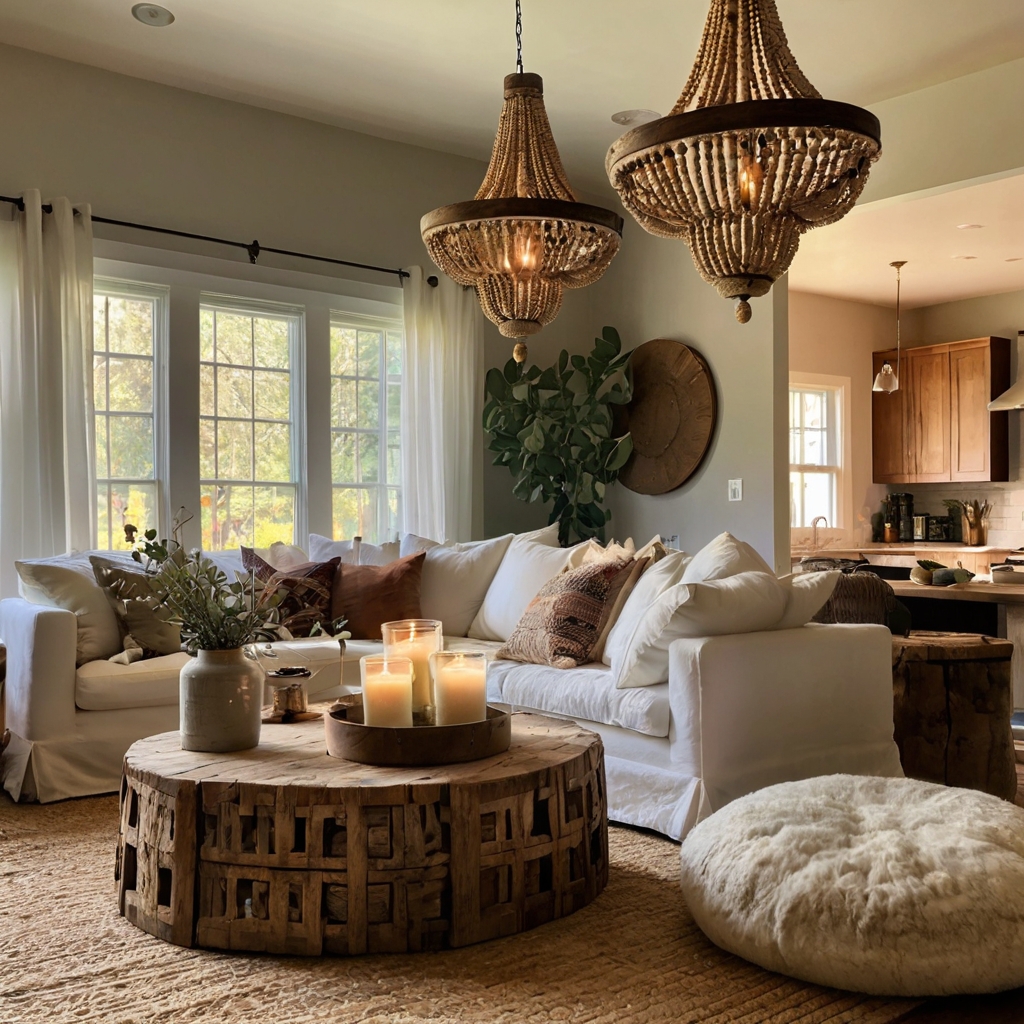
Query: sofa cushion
point(665, 573)
point(528, 564)
point(369, 595)
point(806, 594)
point(563, 623)
point(352, 552)
point(746, 603)
point(104, 686)
point(587, 694)
point(67, 582)
point(130, 592)
point(724, 556)
point(456, 579)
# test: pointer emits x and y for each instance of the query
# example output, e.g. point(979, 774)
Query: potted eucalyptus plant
point(555, 431)
point(220, 689)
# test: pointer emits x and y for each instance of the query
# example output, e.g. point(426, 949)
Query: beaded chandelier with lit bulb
point(524, 238)
point(749, 159)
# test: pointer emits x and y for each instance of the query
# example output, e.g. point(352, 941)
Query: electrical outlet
point(735, 490)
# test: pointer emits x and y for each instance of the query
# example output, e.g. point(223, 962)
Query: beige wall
point(144, 152)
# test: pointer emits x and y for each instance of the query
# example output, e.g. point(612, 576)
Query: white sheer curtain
point(47, 448)
point(442, 399)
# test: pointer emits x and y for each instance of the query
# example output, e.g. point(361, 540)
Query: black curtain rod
point(253, 248)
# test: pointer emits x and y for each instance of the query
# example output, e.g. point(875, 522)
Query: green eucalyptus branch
point(554, 430)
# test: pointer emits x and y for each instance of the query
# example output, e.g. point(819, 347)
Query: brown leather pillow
point(368, 595)
point(307, 591)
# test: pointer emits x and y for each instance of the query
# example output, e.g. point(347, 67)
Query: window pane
point(394, 405)
point(206, 335)
point(234, 516)
point(274, 515)
point(369, 354)
point(346, 512)
point(271, 343)
point(812, 495)
point(344, 404)
point(394, 466)
point(130, 326)
point(369, 402)
point(207, 450)
point(273, 395)
point(368, 447)
point(273, 452)
point(234, 450)
point(131, 447)
point(102, 472)
point(394, 354)
point(102, 517)
point(234, 391)
point(234, 338)
point(99, 382)
point(131, 384)
point(343, 351)
point(99, 324)
point(207, 406)
point(343, 457)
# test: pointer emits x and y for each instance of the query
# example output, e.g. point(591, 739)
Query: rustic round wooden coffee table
point(284, 849)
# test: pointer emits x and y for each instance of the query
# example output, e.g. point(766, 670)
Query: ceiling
point(430, 72)
point(851, 259)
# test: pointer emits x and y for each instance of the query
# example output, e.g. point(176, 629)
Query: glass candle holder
point(460, 686)
point(387, 691)
point(417, 640)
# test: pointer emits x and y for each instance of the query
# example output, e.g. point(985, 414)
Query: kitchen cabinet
point(937, 426)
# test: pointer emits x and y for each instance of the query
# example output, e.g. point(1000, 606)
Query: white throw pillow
point(746, 603)
point(806, 595)
point(410, 544)
point(352, 552)
point(526, 567)
point(456, 579)
point(724, 556)
point(665, 573)
point(68, 582)
point(283, 556)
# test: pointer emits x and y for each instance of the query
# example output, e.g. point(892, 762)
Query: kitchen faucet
point(814, 530)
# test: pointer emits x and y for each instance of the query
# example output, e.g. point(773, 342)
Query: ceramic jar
point(220, 701)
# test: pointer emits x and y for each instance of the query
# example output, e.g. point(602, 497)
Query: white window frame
point(840, 441)
point(340, 318)
point(159, 295)
point(241, 306)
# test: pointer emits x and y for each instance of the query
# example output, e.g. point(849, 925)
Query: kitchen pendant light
point(886, 379)
point(749, 158)
point(524, 237)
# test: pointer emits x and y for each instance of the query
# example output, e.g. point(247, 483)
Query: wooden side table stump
point(283, 849)
point(952, 705)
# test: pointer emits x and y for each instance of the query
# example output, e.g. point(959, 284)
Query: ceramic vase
point(220, 701)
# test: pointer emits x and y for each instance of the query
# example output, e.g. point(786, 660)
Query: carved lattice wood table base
point(286, 850)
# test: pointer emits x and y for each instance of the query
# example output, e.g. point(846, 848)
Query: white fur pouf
point(887, 886)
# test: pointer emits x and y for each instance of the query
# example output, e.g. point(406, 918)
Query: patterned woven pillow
point(307, 590)
point(563, 623)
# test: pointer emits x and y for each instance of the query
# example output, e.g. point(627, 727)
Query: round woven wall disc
point(671, 417)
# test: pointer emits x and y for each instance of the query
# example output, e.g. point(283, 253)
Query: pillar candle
point(415, 639)
point(460, 688)
point(387, 691)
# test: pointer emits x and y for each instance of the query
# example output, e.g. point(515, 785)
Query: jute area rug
point(633, 955)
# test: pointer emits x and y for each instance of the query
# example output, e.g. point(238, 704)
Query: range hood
point(1013, 396)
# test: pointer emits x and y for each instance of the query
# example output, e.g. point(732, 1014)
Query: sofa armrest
point(750, 710)
point(40, 688)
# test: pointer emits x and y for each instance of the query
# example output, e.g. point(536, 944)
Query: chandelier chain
point(519, 37)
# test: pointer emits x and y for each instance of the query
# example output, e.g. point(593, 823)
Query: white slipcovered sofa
point(738, 711)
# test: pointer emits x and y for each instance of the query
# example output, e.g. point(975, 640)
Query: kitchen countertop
point(897, 549)
point(999, 593)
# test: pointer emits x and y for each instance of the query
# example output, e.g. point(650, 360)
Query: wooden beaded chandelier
point(749, 158)
point(524, 238)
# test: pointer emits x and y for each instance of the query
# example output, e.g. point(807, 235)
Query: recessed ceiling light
point(631, 118)
point(964, 257)
point(152, 14)
point(969, 227)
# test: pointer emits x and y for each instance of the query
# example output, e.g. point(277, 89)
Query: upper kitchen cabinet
point(937, 426)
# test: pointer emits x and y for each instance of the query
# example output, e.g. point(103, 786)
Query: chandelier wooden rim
point(747, 116)
point(520, 208)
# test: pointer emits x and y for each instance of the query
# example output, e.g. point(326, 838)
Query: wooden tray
point(349, 738)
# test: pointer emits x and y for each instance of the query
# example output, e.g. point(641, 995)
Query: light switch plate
point(735, 490)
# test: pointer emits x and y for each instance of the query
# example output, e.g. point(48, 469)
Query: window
point(815, 453)
point(366, 376)
point(248, 434)
point(128, 328)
